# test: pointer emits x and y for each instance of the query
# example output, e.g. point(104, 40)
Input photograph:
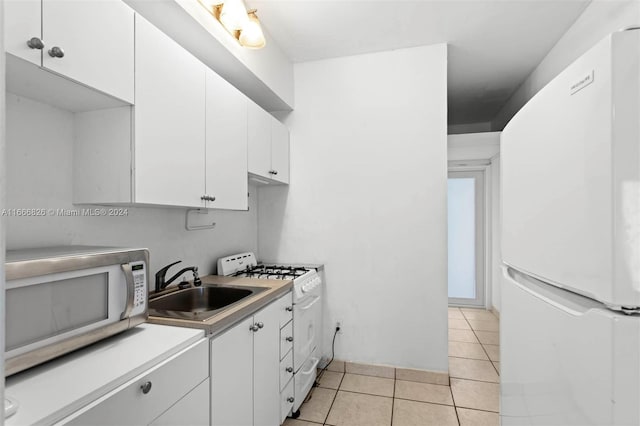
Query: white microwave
point(59, 299)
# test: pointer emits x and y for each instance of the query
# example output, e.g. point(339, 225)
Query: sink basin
point(200, 303)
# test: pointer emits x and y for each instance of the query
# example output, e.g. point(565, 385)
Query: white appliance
point(570, 318)
point(307, 313)
point(59, 299)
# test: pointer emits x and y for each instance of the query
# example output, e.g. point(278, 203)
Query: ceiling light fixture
point(243, 25)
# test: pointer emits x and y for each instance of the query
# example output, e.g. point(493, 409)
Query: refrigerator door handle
point(570, 303)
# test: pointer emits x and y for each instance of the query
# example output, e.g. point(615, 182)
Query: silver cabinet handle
point(35, 43)
point(289, 369)
point(254, 327)
point(56, 52)
point(289, 308)
point(146, 387)
point(290, 399)
point(260, 324)
point(273, 172)
point(207, 198)
point(289, 339)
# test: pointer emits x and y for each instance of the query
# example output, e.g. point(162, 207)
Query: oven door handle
point(313, 302)
point(128, 276)
point(316, 361)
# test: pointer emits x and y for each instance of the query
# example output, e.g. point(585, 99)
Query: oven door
point(307, 317)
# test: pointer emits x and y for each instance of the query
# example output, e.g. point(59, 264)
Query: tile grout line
point(478, 409)
point(393, 399)
point(326, 417)
point(483, 348)
point(492, 364)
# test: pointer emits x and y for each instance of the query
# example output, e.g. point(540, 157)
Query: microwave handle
point(128, 276)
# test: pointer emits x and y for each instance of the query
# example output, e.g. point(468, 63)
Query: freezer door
point(571, 177)
point(565, 360)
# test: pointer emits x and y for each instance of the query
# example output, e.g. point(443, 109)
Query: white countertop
point(52, 391)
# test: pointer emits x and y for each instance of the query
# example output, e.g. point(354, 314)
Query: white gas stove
point(307, 312)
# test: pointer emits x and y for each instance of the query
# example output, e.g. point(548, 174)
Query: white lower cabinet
point(245, 371)
point(191, 410)
point(176, 390)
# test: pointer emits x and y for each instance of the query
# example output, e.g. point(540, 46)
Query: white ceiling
point(493, 44)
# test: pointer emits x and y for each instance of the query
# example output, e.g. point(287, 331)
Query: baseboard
point(390, 372)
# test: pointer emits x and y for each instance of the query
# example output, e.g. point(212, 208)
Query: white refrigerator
point(570, 319)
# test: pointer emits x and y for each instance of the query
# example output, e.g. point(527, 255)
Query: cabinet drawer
point(170, 381)
point(286, 401)
point(285, 307)
point(286, 369)
point(286, 339)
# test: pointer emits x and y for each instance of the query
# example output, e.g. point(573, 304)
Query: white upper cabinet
point(22, 23)
point(183, 144)
point(169, 117)
point(268, 146)
point(259, 141)
point(279, 151)
point(90, 42)
point(226, 145)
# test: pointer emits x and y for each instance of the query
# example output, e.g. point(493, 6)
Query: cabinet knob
point(260, 324)
point(289, 369)
point(146, 387)
point(289, 308)
point(35, 43)
point(254, 327)
point(56, 52)
point(289, 339)
point(290, 399)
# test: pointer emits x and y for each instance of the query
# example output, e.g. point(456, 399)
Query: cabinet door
point(259, 126)
point(279, 151)
point(232, 376)
point(21, 23)
point(169, 117)
point(192, 410)
point(266, 366)
point(226, 146)
point(97, 40)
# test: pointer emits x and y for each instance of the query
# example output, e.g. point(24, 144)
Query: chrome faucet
point(160, 276)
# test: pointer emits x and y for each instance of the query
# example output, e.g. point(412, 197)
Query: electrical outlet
point(338, 325)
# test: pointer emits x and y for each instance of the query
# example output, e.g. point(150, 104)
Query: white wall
point(3, 186)
point(368, 199)
point(600, 18)
point(473, 146)
point(496, 235)
point(39, 175)
point(456, 129)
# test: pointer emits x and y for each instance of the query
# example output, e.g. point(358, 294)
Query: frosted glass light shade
point(233, 15)
point(251, 35)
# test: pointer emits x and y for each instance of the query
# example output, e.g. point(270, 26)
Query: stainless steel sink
point(200, 303)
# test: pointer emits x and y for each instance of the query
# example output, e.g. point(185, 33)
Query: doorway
point(466, 235)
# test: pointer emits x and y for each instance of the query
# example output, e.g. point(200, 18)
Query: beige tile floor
point(349, 399)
